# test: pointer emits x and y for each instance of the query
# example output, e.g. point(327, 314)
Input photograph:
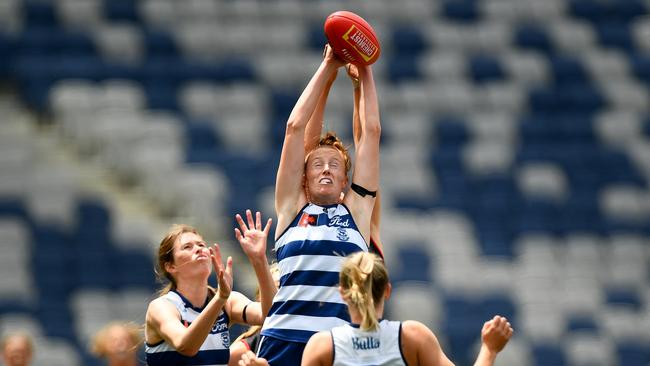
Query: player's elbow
point(372, 129)
point(294, 125)
point(187, 350)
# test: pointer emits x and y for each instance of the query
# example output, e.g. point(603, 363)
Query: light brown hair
point(166, 255)
point(363, 280)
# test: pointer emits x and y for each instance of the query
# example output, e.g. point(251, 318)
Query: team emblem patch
point(342, 235)
point(225, 339)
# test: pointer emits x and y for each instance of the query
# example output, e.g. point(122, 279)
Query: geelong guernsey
point(355, 347)
point(214, 351)
point(310, 253)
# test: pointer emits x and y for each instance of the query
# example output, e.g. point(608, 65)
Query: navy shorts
point(279, 352)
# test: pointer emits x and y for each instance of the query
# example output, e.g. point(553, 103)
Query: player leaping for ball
point(313, 136)
point(316, 229)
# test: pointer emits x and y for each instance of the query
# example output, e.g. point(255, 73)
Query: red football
point(352, 38)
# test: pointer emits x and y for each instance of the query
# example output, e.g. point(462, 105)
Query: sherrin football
point(352, 38)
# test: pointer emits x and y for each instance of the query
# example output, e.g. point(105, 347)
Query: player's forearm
point(485, 357)
point(315, 125)
point(266, 284)
point(369, 105)
point(191, 342)
point(306, 104)
point(356, 120)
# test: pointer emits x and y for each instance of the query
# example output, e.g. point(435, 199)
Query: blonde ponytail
point(363, 280)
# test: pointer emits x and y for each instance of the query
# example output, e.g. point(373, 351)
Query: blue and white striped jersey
point(355, 347)
point(214, 351)
point(310, 253)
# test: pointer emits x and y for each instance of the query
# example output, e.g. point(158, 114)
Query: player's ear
point(388, 291)
point(170, 267)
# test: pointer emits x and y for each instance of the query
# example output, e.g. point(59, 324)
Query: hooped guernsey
point(310, 253)
point(213, 352)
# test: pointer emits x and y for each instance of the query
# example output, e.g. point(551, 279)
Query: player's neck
point(325, 200)
point(357, 318)
point(195, 293)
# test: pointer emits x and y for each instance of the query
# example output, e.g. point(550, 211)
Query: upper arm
point(420, 346)
point(366, 172)
point(289, 194)
point(164, 320)
point(289, 179)
point(236, 304)
point(319, 350)
point(366, 166)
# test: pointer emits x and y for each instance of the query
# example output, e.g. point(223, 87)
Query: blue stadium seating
point(461, 11)
point(548, 354)
point(555, 121)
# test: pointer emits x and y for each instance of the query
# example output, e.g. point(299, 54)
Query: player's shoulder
point(319, 349)
point(321, 337)
point(416, 332)
point(161, 303)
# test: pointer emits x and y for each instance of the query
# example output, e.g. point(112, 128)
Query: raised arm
point(375, 220)
point(289, 193)
point(494, 336)
point(163, 320)
point(314, 127)
point(421, 347)
point(366, 167)
point(252, 239)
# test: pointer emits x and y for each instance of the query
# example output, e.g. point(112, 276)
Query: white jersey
point(214, 351)
point(310, 254)
point(355, 347)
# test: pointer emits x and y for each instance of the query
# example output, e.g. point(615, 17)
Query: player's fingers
point(229, 266)
point(267, 228)
point(249, 217)
point(258, 220)
point(215, 256)
point(216, 251)
point(242, 224)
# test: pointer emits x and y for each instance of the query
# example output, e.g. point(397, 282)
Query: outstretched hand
point(224, 274)
point(252, 237)
point(496, 333)
point(330, 57)
point(353, 73)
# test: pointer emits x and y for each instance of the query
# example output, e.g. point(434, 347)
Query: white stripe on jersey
point(334, 228)
point(217, 340)
point(301, 233)
point(311, 263)
point(310, 293)
point(302, 322)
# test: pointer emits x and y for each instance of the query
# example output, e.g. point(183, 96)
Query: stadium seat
point(514, 149)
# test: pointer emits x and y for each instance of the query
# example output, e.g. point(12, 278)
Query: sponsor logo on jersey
point(338, 221)
point(365, 343)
